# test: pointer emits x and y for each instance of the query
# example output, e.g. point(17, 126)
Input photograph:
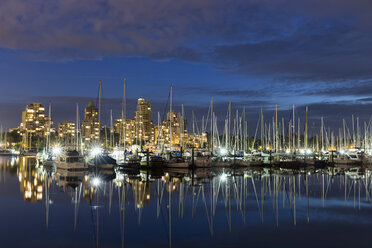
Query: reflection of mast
point(46, 181)
point(307, 196)
point(77, 204)
point(262, 199)
point(294, 200)
point(97, 239)
point(170, 213)
point(122, 211)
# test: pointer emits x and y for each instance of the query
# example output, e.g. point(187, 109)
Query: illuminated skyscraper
point(144, 126)
point(34, 120)
point(90, 126)
point(130, 131)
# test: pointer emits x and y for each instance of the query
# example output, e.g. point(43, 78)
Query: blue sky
point(254, 53)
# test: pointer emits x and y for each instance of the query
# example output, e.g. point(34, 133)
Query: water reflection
point(216, 200)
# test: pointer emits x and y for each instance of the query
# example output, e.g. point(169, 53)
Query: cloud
point(301, 41)
point(348, 88)
point(305, 49)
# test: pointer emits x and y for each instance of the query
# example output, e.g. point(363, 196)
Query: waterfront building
point(90, 126)
point(130, 130)
point(143, 123)
point(179, 130)
point(35, 121)
point(66, 132)
point(66, 129)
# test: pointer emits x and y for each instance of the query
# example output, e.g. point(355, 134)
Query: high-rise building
point(144, 126)
point(34, 120)
point(179, 131)
point(66, 129)
point(130, 130)
point(90, 126)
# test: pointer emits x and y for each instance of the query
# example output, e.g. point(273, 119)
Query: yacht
point(29, 153)
point(154, 161)
point(71, 160)
point(7, 152)
point(177, 162)
point(102, 161)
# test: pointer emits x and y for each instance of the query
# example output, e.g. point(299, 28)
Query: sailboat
point(4, 151)
point(174, 162)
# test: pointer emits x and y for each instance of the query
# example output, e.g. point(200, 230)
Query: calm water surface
point(247, 208)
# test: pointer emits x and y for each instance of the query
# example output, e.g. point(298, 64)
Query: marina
point(185, 123)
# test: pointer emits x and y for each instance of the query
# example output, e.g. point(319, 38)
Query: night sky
point(256, 53)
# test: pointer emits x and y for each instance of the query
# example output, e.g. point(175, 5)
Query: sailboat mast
point(212, 124)
point(99, 102)
point(111, 129)
point(49, 125)
point(170, 120)
point(77, 126)
point(276, 128)
point(306, 127)
point(125, 115)
point(182, 129)
point(229, 128)
point(294, 129)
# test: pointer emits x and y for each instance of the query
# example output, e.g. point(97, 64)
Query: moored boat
point(71, 160)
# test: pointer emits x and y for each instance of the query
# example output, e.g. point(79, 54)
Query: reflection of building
point(34, 121)
point(144, 127)
point(141, 191)
point(31, 183)
point(90, 126)
point(173, 183)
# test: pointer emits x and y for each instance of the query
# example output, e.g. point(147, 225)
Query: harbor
point(185, 123)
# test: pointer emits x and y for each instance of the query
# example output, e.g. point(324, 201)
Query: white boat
point(71, 161)
point(348, 159)
point(29, 153)
point(7, 152)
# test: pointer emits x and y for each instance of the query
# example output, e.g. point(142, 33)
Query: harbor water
point(245, 207)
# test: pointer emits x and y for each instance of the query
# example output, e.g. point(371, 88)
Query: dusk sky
point(256, 53)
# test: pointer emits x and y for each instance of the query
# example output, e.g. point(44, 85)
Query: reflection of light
point(223, 151)
point(96, 151)
point(302, 151)
point(223, 177)
point(308, 151)
point(56, 150)
point(96, 182)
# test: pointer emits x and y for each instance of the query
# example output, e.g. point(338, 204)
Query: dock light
point(302, 152)
point(308, 151)
point(342, 152)
point(288, 151)
point(223, 151)
point(96, 151)
point(96, 182)
point(223, 177)
point(56, 150)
